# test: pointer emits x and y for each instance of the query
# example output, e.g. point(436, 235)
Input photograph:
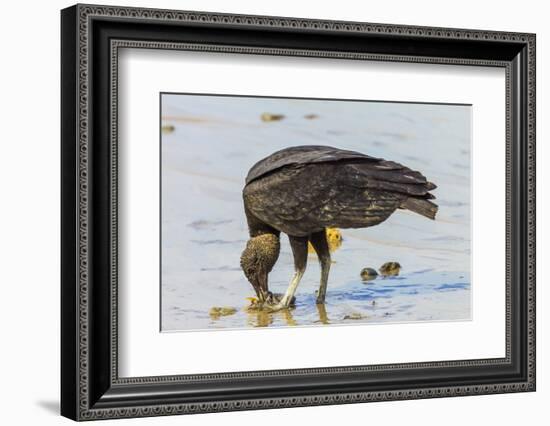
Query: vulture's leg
point(320, 244)
point(299, 250)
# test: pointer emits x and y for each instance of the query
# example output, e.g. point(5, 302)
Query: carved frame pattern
point(85, 13)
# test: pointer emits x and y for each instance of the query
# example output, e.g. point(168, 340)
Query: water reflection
point(259, 318)
point(264, 318)
point(322, 311)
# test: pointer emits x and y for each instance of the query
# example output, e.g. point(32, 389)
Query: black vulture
point(302, 190)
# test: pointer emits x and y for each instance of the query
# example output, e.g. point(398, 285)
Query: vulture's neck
point(256, 227)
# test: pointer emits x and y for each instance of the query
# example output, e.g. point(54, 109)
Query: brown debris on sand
point(267, 117)
point(354, 316)
point(168, 128)
point(221, 311)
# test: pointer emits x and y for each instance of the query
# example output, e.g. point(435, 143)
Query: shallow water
point(205, 160)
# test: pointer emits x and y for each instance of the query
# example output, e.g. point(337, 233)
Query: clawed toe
point(275, 308)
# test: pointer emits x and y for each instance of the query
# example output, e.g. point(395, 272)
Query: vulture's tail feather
point(421, 206)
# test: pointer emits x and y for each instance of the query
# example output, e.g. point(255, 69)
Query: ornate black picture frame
point(91, 387)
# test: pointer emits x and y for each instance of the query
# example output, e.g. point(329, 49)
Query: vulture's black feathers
point(304, 189)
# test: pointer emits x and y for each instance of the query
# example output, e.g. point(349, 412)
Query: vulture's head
point(257, 261)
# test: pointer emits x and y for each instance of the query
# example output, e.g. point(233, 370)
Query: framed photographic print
point(263, 212)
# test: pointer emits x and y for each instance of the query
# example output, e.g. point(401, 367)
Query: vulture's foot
point(276, 308)
point(271, 303)
point(277, 302)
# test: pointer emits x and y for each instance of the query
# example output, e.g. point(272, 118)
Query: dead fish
point(221, 311)
point(267, 117)
point(368, 274)
point(390, 269)
point(311, 116)
point(168, 128)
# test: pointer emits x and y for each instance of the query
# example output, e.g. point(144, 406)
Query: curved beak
point(260, 285)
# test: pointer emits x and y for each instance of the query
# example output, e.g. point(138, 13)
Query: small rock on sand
point(368, 274)
point(390, 269)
